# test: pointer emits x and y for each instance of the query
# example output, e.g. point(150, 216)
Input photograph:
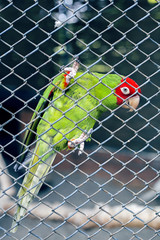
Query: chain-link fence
point(111, 191)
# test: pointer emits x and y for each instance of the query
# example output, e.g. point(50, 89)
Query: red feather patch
point(65, 75)
point(129, 83)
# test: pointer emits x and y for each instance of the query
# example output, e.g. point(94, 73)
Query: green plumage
point(62, 114)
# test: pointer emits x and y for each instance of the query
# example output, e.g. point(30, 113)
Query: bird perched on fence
point(64, 118)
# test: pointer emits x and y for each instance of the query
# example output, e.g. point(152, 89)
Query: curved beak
point(132, 103)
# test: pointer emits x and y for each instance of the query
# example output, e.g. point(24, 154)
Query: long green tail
point(31, 186)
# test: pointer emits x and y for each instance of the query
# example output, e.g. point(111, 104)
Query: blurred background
point(39, 38)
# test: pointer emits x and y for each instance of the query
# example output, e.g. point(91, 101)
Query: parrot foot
point(71, 72)
point(79, 141)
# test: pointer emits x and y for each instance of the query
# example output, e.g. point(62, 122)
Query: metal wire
point(120, 166)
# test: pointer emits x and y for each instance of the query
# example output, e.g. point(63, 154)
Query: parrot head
point(128, 92)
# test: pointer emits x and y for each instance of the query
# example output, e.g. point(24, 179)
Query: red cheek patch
point(129, 83)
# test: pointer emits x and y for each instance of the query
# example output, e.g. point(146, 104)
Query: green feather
point(61, 115)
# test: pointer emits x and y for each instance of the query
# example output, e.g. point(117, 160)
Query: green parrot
point(64, 118)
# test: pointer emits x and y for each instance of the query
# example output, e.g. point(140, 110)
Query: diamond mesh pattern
point(103, 193)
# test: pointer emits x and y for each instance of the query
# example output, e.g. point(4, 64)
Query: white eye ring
point(125, 90)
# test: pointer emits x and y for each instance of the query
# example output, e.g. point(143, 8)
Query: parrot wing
point(40, 162)
point(37, 115)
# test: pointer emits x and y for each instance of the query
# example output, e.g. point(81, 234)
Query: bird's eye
point(125, 90)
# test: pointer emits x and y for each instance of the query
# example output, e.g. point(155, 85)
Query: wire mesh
point(111, 191)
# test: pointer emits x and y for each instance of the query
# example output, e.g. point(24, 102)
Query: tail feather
point(31, 186)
